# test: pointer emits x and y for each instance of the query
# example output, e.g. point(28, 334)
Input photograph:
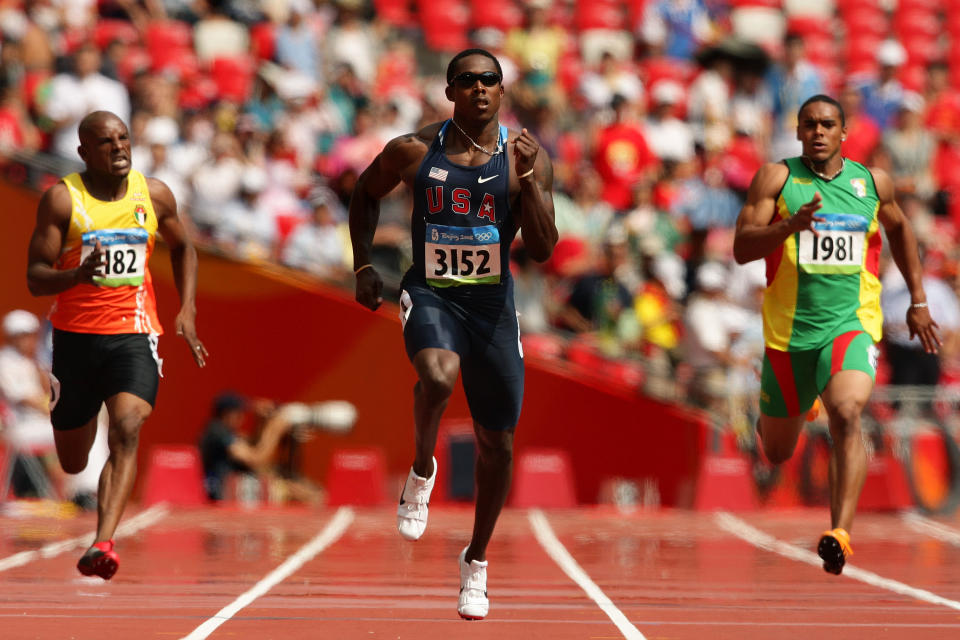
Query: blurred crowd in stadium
point(657, 113)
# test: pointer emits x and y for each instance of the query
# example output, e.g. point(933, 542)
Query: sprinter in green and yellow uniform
point(816, 220)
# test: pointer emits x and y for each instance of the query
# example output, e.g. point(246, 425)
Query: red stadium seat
point(635, 12)
point(765, 4)
point(916, 22)
point(398, 13)
point(233, 77)
point(921, 49)
point(498, 14)
point(846, 5)
point(183, 62)
point(444, 25)
point(930, 5)
point(106, 31)
point(863, 20)
point(198, 93)
point(913, 77)
point(169, 34)
point(136, 60)
point(599, 14)
point(810, 26)
point(263, 40)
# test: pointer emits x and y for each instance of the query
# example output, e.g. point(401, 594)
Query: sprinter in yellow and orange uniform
point(93, 239)
point(815, 219)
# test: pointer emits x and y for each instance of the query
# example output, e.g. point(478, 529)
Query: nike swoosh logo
point(482, 180)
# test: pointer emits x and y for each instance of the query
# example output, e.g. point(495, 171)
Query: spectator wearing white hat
point(668, 137)
point(320, 245)
point(911, 147)
point(25, 394)
point(712, 323)
point(160, 134)
point(883, 96)
point(247, 226)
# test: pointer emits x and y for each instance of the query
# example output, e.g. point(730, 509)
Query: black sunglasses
point(467, 79)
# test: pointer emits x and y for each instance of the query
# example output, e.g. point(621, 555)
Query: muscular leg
point(494, 472)
point(437, 370)
point(73, 446)
point(844, 399)
point(127, 414)
point(779, 436)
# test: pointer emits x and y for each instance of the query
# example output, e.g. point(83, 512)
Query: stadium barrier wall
point(276, 333)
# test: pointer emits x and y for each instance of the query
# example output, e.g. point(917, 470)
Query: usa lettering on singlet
point(122, 299)
point(824, 284)
point(461, 227)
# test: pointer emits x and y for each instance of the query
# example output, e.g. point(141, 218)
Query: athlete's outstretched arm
point(536, 197)
point(903, 248)
point(377, 180)
point(46, 242)
point(755, 237)
point(183, 259)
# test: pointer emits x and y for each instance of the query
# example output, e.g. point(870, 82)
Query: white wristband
point(528, 173)
point(918, 305)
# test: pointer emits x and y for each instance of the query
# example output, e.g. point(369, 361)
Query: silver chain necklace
point(824, 176)
point(475, 145)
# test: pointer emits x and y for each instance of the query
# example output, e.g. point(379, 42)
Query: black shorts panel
point(487, 341)
point(92, 367)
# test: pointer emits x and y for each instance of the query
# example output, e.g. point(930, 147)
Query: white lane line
point(142, 520)
point(555, 549)
point(932, 528)
point(765, 541)
point(331, 533)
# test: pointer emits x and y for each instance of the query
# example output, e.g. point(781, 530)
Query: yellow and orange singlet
point(122, 300)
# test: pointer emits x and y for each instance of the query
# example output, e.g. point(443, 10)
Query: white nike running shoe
point(414, 503)
point(473, 603)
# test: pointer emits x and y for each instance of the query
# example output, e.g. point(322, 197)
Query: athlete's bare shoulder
point(56, 205)
point(770, 178)
point(883, 183)
point(162, 197)
point(408, 150)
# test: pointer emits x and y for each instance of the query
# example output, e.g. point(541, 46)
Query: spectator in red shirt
point(17, 131)
point(863, 134)
point(622, 156)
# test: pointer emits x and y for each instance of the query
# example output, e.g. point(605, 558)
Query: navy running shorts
point(91, 368)
point(486, 336)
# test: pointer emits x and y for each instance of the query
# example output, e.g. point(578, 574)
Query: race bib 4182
point(124, 255)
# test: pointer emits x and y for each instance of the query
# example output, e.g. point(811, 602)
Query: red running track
point(667, 574)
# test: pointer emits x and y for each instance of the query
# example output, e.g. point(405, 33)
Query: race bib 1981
point(124, 255)
point(462, 255)
point(838, 247)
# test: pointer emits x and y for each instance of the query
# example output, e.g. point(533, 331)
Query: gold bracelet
point(366, 266)
point(526, 174)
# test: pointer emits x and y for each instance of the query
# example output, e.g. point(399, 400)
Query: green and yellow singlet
point(822, 286)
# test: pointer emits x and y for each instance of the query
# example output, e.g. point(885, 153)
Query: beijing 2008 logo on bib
point(140, 215)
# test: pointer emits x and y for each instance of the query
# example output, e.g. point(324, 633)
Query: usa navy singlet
point(461, 225)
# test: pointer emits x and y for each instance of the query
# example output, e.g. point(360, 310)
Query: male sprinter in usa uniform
point(815, 220)
point(474, 185)
point(95, 232)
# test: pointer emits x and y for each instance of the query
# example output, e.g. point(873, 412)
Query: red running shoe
point(99, 560)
